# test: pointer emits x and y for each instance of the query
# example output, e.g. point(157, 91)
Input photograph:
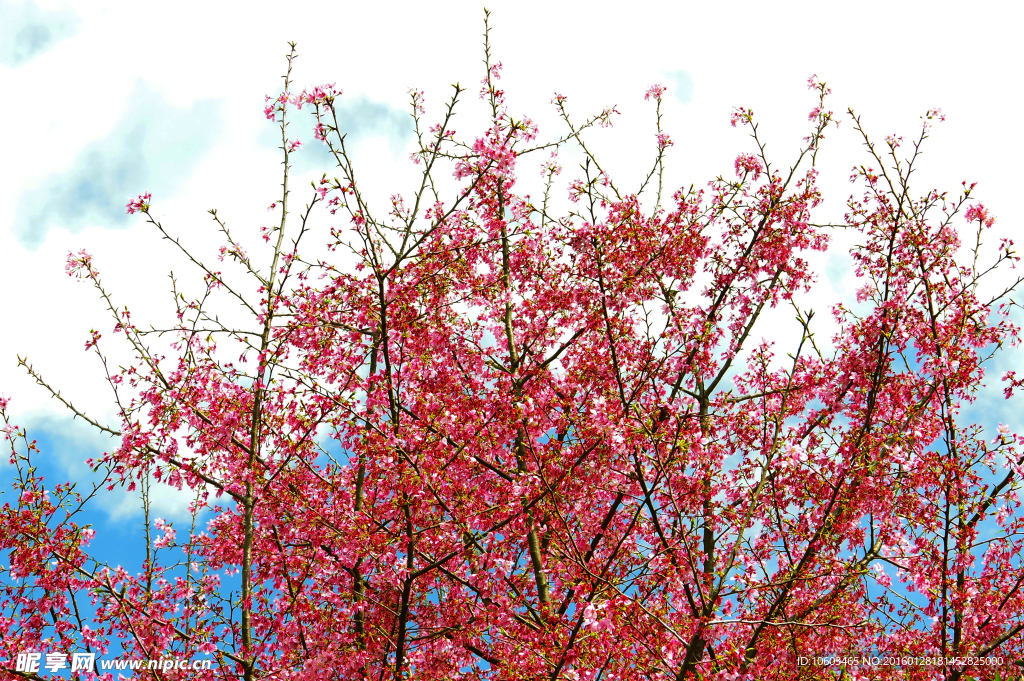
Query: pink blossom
point(880, 575)
point(933, 114)
point(978, 213)
point(747, 163)
point(593, 620)
point(139, 203)
point(80, 265)
point(550, 168)
point(814, 84)
point(740, 115)
point(655, 91)
point(418, 100)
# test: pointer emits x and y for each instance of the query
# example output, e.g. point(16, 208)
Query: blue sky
point(108, 100)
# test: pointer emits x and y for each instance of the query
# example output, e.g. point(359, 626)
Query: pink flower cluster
point(551, 167)
point(655, 91)
point(80, 265)
point(169, 534)
point(320, 95)
point(595, 618)
point(814, 84)
point(139, 204)
point(741, 115)
point(978, 213)
point(748, 163)
point(94, 338)
point(932, 114)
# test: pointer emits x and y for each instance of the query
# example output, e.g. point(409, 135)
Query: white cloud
point(28, 30)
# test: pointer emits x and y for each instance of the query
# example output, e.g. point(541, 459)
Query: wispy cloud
point(682, 85)
point(360, 118)
point(154, 147)
point(26, 30)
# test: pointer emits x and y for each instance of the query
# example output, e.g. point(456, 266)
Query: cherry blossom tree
point(516, 441)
